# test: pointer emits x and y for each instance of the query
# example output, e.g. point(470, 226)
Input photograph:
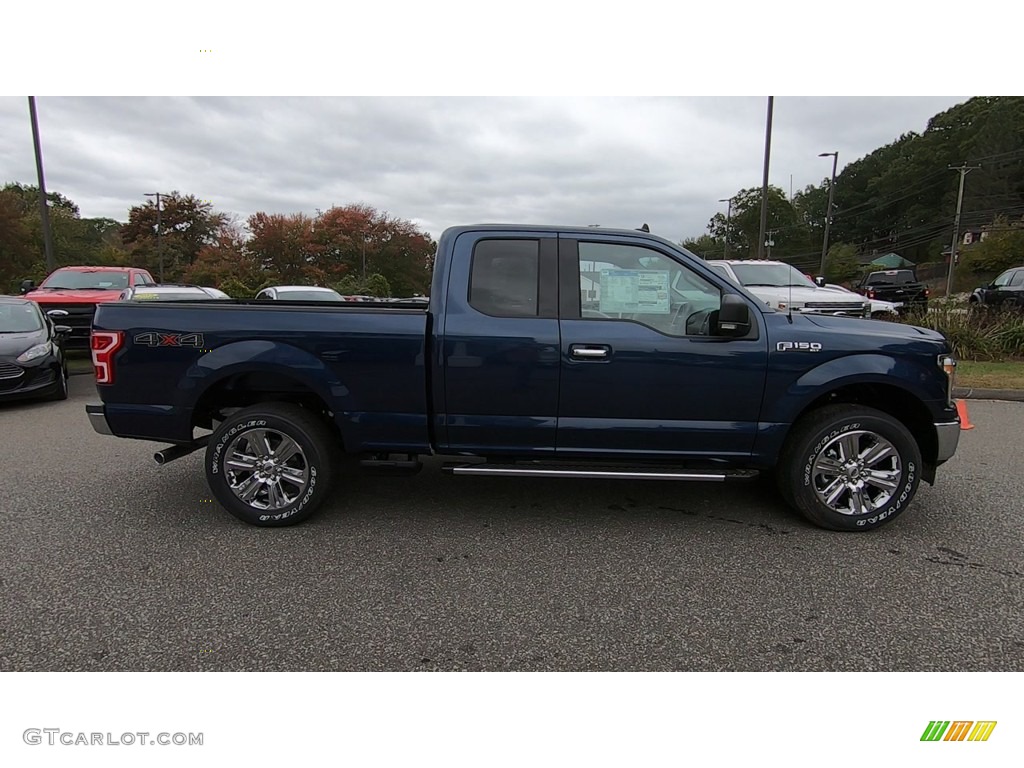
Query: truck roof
point(573, 229)
point(81, 268)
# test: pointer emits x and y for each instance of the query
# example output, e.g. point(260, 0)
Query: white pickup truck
point(784, 287)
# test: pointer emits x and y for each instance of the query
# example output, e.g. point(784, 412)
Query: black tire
point(816, 437)
point(61, 392)
point(271, 506)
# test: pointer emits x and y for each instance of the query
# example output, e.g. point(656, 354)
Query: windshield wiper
point(764, 285)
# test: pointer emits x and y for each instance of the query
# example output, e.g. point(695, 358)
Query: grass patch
point(990, 375)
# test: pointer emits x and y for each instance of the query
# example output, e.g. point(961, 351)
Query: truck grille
point(79, 318)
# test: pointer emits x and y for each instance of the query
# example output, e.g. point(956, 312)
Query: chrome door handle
point(589, 353)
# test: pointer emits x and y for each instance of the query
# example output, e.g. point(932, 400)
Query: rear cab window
point(504, 278)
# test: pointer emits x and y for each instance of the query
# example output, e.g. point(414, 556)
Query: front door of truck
point(499, 348)
point(644, 370)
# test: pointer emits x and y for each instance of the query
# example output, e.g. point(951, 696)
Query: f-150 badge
point(799, 346)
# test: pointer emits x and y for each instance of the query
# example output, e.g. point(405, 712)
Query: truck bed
point(366, 362)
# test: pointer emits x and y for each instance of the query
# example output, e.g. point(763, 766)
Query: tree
point(841, 264)
point(187, 225)
point(284, 246)
point(18, 253)
point(227, 258)
point(705, 246)
point(999, 251)
point(744, 228)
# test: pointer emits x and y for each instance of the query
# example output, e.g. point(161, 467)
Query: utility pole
point(828, 210)
point(159, 249)
point(764, 183)
point(728, 224)
point(44, 208)
point(964, 170)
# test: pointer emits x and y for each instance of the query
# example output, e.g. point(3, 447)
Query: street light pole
point(44, 208)
point(828, 210)
point(764, 183)
point(159, 249)
point(728, 224)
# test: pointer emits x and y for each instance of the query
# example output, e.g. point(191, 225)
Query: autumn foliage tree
point(187, 225)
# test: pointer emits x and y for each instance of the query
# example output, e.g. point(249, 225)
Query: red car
point(75, 292)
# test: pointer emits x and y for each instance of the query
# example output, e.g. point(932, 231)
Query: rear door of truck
point(499, 344)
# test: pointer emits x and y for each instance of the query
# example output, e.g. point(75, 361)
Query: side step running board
point(602, 474)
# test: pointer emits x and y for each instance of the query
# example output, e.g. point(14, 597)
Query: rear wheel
point(850, 468)
point(271, 464)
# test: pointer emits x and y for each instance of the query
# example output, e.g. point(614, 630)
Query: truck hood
point(799, 296)
point(73, 296)
point(879, 328)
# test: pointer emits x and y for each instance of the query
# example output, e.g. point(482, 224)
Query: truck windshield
point(74, 279)
point(772, 275)
point(19, 318)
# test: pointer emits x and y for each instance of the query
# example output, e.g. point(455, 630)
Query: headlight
point(33, 352)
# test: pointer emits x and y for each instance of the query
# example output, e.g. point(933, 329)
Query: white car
point(783, 287)
point(298, 293)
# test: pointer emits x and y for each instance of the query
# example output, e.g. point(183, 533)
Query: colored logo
point(958, 730)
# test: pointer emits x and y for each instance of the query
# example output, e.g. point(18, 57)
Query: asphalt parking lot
point(109, 562)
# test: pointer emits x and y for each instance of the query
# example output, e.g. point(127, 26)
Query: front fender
point(792, 397)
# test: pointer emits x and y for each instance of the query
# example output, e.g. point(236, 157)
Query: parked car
point(32, 360)
point(899, 286)
point(682, 375)
point(1005, 292)
point(171, 292)
point(298, 293)
point(786, 288)
point(880, 310)
point(79, 290)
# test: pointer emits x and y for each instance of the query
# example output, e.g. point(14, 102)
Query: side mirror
point(819, 281)
point(734, 316)
point(27, 285)
point(62, 330)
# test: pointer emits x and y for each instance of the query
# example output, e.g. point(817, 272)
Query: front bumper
point(98, 419)
point(948, 435)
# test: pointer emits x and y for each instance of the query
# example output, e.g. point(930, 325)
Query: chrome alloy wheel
point(266, 469)
point(857, 473)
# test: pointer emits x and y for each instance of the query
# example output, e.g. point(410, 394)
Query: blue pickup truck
point(543, 352)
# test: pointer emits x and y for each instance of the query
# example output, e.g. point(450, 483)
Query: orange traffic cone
point(961, 410)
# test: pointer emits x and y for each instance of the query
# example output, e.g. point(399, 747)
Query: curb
point(1015, 395)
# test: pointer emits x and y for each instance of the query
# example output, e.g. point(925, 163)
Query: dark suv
point(1005, 292)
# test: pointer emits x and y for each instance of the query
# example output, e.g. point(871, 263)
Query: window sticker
point(634, 291)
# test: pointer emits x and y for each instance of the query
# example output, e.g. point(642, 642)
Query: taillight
point(871, 293)
point(104, 345)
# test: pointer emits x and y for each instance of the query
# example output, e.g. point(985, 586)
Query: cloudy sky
point(446, 161)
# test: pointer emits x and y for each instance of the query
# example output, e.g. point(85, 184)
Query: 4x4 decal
point(154, 339)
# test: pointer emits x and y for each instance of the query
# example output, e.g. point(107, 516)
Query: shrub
point(976, 335)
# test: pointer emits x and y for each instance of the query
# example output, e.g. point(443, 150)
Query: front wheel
point(850, 468)
point(271, 464)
